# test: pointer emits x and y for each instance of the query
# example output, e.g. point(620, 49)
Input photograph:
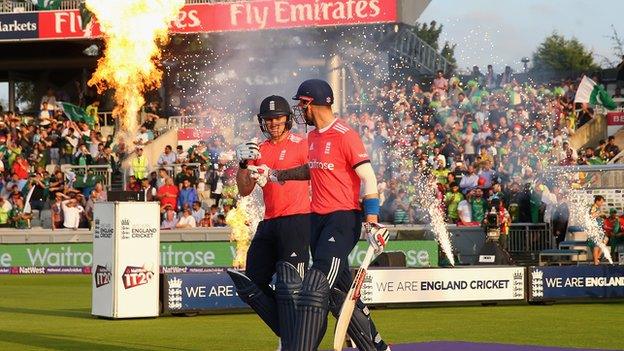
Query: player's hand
point(248, 151)
point(255, 174)
point(270, 174)
point(377, 236)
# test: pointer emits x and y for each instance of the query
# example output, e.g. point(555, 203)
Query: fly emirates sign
point(242, 16)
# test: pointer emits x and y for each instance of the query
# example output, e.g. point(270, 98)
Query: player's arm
point(246, 153)
point(297, 173)
point(371, 197)
point(244, 182)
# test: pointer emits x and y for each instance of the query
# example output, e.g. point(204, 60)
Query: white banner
point(385, 286)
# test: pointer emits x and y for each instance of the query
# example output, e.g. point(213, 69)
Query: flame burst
point(244, 220)
point(133, 30)
point(241, 234)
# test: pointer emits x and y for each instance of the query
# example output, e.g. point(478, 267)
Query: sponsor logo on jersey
point(314, 164)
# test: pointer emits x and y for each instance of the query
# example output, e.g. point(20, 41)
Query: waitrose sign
point(419, 253)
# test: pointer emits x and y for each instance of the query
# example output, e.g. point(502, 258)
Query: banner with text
point(576, 282)
point(18, 26)
point(199, 291)
point(419, 253)
point(388, 286)
point(241, 16)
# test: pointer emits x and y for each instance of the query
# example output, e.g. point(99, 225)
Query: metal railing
point(183, 121)
point(172, 170)
point(29, 6)
point(104, 171)
point(530, 238)
point(411, 48)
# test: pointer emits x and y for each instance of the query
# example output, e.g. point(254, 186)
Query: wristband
point(371, 206)
point(242, 164)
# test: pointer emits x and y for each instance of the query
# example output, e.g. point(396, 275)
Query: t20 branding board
point(125, 271)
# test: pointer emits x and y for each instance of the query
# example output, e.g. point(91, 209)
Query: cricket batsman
point(281, 242)
point(338, 165)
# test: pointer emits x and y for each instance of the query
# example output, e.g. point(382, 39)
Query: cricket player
point(338, 165)
point(281, 242)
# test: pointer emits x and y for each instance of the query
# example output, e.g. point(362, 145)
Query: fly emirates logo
point(314, 164)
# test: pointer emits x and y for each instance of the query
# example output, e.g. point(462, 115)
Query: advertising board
point(387, 286)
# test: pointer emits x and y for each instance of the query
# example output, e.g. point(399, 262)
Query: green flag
point(47, 4)
point(599, 96)
point(76, 113)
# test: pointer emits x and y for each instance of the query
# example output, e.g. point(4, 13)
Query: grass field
point(53, 313)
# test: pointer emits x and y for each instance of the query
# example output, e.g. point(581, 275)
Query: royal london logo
point(135, 276)
point(175, 293)
point(102, 276)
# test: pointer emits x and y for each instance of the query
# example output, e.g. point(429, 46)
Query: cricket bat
point(349, 303)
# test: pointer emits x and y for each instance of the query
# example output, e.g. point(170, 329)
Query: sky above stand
point(501, 32)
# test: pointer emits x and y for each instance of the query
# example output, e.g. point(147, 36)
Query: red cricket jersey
point(333, 153)
point(293, 197)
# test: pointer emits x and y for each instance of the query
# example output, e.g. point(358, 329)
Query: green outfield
point(53, 313)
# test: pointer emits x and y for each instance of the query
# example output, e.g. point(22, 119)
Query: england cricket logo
point(175, 294)
point(102, 276)
point(537, 283)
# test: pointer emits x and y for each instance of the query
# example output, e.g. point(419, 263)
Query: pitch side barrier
point(214, 292)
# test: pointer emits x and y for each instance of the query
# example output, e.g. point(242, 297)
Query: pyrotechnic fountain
point(133, 31)
point(244, 220)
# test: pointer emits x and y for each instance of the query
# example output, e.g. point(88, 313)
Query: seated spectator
point(133, 184)
point(187, 194)
point(464, 211)
point(220, 222)
point(19, 218)
point(72, 212)
point(469, 181)
point(181, 155)
point(452, 199)
point(142, 137)
point(187, 220)
point(5, 213)
point(197, 211)
point(170, 220)
point(100, 193)
point(167, 157)
point(611, 149)
point(149, 192)
point(57, 212)
point(168, 194)
point(206, 221)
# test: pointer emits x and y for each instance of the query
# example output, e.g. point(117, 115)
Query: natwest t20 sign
point(242, 16)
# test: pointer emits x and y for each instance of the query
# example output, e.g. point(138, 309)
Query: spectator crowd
point(483, 138)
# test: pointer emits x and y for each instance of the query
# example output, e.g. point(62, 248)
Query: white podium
point(126, 240)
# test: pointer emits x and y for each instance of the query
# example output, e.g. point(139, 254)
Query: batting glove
point(247, 151)
point(377, 236)
point(262, 174)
